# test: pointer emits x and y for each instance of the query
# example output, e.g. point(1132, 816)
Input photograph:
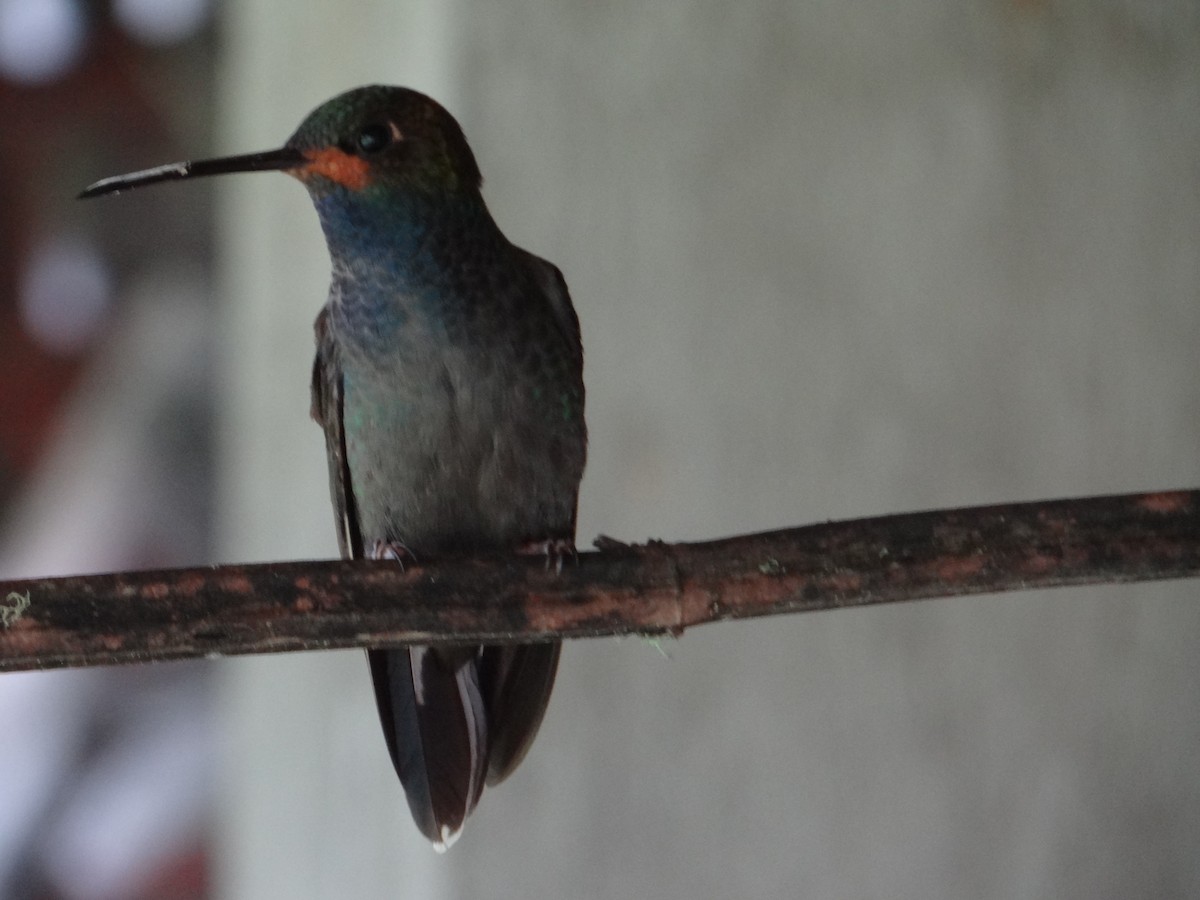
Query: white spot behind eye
point(397, 134)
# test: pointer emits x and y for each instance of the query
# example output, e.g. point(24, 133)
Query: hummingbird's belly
point(442, 472)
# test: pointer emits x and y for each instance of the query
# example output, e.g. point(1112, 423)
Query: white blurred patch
point(40, 40)
point(141, 803)
point(162, 21)
point(66, 293)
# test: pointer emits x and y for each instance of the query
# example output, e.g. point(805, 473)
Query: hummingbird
point(448, 380)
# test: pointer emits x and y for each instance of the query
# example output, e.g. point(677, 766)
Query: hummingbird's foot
point(554, 549)
point(393, 550)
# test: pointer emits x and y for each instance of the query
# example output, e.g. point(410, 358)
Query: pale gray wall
point(830, 260)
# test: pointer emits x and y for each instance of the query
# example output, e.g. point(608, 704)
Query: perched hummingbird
point(449, 382)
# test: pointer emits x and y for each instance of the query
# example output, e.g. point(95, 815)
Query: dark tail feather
point(436, 727)
point(516, 682)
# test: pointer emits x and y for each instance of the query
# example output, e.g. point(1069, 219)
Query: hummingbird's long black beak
point(269, 160)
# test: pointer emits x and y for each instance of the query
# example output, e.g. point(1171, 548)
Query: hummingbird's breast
point(454, 430)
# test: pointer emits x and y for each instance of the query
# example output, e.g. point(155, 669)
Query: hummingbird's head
point(370, 144)
point(382, 141)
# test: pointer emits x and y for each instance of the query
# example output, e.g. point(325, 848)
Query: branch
point(652, 589)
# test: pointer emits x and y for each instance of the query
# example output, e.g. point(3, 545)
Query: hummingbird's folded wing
point(327, 411)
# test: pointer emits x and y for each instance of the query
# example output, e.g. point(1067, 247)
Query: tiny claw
point(556, 549)
point(395, 551)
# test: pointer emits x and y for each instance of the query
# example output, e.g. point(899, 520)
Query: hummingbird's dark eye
point(373, 138)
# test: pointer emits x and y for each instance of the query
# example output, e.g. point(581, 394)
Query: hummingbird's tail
point(436, 729)
point(455, 717)
point(516, 680)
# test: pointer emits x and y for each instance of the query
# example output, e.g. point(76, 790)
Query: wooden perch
point(652, 589)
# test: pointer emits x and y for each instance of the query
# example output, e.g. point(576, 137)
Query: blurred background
point(830, 260)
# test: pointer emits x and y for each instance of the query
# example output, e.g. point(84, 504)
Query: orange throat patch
point(336, 165)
